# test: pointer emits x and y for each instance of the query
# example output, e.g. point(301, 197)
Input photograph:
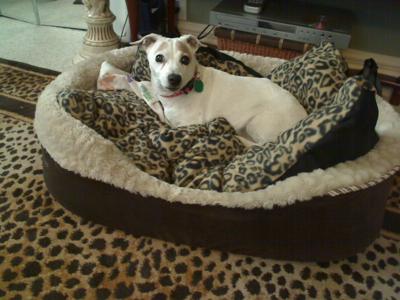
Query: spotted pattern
point(394, 198)
point(261, 166)
point(313, 78)
point(182, 156)
point(21, 84)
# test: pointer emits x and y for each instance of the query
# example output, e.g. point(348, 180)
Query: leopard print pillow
point(261, 166)
point(210, 57)
point(182, 156)
point(124, 119)
point(206, 56)
point(140, 68)
point(313, 78)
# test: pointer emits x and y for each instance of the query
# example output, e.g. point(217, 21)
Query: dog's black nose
point(174, 79)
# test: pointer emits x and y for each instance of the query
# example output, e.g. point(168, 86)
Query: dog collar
point(195, 83)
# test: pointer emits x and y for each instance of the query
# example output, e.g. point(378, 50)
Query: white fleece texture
point(80, 149)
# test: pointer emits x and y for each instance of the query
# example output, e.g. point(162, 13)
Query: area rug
point(46, 252)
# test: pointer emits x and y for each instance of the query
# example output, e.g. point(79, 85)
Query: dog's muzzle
point(174, 80)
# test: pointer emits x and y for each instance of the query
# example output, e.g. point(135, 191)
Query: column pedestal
point(99, 38)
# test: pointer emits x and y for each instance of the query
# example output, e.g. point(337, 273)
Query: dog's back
point(255, 105)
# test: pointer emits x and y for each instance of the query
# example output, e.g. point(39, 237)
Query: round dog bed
point(317, 214)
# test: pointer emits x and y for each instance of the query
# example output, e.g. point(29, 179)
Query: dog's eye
point(185, 60)
point(159, 58)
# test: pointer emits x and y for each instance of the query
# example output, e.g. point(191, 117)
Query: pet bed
point(324, 195)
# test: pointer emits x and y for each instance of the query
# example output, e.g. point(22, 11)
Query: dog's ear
point(147, 40)
point(192, 41)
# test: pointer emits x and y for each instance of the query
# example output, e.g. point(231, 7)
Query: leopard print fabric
point(198, 154)
point(47, 252)
point(394, 199)
point(23, 85)
point(210, 57)
point(140, 67)
point(175, 155)
point(205, 56)
point(261, 166)
point(123, 119)
point(313, 78)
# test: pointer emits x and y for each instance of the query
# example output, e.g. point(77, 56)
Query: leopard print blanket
point(211, 156)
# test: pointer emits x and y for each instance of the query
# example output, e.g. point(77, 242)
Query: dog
point(190, 93)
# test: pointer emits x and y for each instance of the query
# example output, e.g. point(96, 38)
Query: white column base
point(99, 38)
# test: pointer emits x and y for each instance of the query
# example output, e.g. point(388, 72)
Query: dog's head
point(172, 61)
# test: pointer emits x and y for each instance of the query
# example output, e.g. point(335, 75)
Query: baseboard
point(388, 65)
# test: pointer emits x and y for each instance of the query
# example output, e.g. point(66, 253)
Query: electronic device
point(287, 19)
point(253, 6)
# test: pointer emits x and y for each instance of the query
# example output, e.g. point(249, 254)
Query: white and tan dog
point(194, 94)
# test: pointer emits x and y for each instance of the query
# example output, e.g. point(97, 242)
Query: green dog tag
point(198, 85)
point(148, 97)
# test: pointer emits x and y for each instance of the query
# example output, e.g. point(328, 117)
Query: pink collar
point(185, 90)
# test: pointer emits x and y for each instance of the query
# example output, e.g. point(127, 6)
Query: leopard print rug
point(46, 252)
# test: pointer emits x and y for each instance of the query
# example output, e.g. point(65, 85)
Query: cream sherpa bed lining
point(80, 149)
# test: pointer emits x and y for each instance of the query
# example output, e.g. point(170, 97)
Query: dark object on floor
point(370, 73)
point(78, 2)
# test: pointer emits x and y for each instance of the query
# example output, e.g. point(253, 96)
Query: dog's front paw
point(106, 82)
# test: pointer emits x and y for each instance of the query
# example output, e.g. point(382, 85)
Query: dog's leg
point(266, 126)
point(112, 78)
point(246, 142)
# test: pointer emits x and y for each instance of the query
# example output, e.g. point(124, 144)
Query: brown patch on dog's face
point(192, 42)
point(147, 40)
point(161, 46)
point(184, 48)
